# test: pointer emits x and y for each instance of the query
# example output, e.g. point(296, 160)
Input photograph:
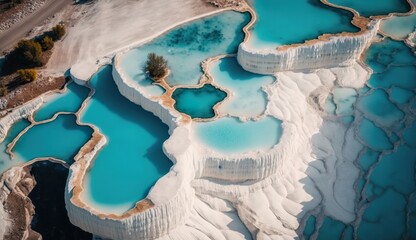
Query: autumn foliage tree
point(27, 75)
point(57, 32)
point(47, 43)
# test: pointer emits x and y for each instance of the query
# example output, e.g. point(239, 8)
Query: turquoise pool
point(374, 7)
point(230, 135)
point(61, 138)
point(132, 160)
point(198, 102)
point(399, 26)
point(185, 47)
point(68, 101)
point(246, 99)
point(281, 22)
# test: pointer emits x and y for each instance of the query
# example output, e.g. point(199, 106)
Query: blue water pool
point(68, 101)
point(186, 46)
point(132, 161)
point(399, 26)
point(61, 138)
point(230, 135)
point(387, 115)
point(198, 102)
point(374, 7)
point(281, 22)
point(247, 99)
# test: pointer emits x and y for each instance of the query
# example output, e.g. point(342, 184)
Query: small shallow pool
point(230, 135)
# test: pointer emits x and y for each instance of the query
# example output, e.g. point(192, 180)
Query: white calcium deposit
point(261, 195)
point(17, 114)
point(337, 51)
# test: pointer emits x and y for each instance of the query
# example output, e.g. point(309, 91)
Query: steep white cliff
point(336, 51)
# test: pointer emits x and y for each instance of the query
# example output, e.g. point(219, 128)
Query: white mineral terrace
point(259, 194)
point(250, 190)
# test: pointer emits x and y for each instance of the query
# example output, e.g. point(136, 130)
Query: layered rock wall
point(335, 52)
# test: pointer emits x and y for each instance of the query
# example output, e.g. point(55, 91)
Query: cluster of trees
point(28, 53)
point(156, 66)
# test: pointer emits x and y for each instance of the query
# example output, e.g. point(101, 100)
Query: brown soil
point(26, 92)
point(19, 92)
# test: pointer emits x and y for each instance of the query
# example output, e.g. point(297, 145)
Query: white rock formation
point(259, 194)
point(337, 51)
point(18, 113)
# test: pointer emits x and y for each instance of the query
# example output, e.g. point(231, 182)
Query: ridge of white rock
point(252, 195)
point(18, 113)
point(334, 52)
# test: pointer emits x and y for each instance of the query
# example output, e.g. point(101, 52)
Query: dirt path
point(21, 28)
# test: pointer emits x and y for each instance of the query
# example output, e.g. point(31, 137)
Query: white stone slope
point(259, 194)
point(95, 31)
point(337, 51)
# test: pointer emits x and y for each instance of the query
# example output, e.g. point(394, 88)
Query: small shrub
point(57, 32)
point(27, 75)
point(47, 43)
point(156, 66)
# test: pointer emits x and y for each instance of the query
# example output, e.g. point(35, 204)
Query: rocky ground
point(15, 14)
point(225, 3)
point(39, 187)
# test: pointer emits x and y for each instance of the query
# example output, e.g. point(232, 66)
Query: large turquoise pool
point(281, 22)
point(132, 161)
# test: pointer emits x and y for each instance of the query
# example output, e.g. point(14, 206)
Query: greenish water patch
point(387, 115)
point(384, 218)
point(281, 22)
point(396, 170)
point(399, 27)
point(62, 138)
point(309, 227)
point(132, 161)
point(247, 98)
point(400, 95)
point(382, 54)
point(368, 158)
point(331, 229)
point(198, 102)
point(230, 135)
point(374, 7)
point(186, 46)
point(373, 136)
point(68, 101)
point(409, 135)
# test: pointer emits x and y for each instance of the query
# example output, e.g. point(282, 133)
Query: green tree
point(27, 75)
point(47, 43)
point(57, 32)
point(156, 66)
point(26, 54)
